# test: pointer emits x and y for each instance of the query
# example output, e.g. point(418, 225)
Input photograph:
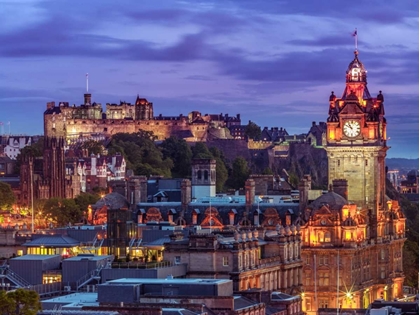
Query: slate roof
point(114, 201)
point(241, 302)
point(334, 200)
point(52, 241)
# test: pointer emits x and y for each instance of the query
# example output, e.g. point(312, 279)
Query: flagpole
point(87, 82)
point(355, 37)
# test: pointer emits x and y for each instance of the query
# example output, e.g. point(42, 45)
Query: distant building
point(78, 123)
point(411, 184)
point(12, 144)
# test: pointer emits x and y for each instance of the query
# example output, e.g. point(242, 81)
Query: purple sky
point(274, 62)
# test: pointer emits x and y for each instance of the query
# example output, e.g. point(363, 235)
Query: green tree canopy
point(253, 131)
point(221, 169)
point(7, 198)
point(93, 147)
point(34, 150)
point(240, 173)
point(180, 153)
point(141, 153)
point(19, 302)
point(85, 199)
point(267, 171)
point(201, 151)
point(62, 211)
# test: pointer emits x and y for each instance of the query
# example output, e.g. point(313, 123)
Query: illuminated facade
point(352, 237)
point(89, 122)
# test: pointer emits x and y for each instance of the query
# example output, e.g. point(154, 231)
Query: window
point(327, 237)
point(323, 260)
point(226, 261)
point(308, 280)
point(323, 303)
point(199, 174)
point(324, 279)
point(321, 237)
point(177, 260)
point(206, 175)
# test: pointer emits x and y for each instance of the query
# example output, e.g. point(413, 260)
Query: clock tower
point(356, 140)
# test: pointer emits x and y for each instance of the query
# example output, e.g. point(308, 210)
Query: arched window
point(206, 175)
point(320, 237)
point(199, 174)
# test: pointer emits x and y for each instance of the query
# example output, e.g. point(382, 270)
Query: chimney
point(304, 187)
point(185, 193)
point(50, 105)
point(340, 187)
point(249, 197)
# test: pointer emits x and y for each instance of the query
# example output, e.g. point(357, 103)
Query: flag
point(354, 33)
point(1, 123)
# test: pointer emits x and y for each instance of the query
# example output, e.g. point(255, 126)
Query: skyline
point(274, 63)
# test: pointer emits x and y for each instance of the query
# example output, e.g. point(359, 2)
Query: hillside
point(403, 165)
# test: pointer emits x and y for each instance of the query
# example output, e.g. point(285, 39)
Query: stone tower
point(143, 109)
point(203, 178)
point(54, 167)
point(356, 140)
point(352, 236)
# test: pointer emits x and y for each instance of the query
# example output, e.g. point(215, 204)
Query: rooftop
point(167, 281)
point(35, 257)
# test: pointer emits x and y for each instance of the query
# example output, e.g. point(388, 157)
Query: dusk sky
point(274, 62)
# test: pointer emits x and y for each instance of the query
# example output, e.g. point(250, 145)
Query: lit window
point(225, 261)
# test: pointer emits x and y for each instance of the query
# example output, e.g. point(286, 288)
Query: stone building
point(76, 123)
point(259, 258)
point(352, 237)
point(56, 175)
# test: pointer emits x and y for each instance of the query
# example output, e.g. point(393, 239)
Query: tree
point(34, 150)
point(85, 199)
point(7, 198)
point(62, 211)
point(93, 147)
point(240, 173)
point(180, 153)
point(267, 171)
point(253, 131)
point(200, 151)
point(221, 169)
point(20, 302)
point(141, 153)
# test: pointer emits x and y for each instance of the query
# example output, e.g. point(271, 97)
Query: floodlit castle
point(89, 121)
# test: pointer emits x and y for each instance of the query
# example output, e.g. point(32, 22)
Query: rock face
point(302, 158)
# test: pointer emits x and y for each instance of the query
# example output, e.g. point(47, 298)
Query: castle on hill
point(89, 121)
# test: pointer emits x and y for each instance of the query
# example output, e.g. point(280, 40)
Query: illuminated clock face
point(351, 128)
